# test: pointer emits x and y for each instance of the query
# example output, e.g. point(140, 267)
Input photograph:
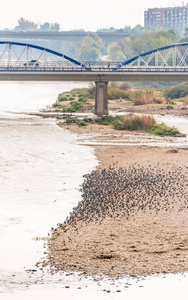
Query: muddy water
point(41, 168)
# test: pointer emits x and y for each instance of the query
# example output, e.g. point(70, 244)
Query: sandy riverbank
point(135, 230)
point(122, 106)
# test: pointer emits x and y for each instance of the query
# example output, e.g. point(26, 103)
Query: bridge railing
point(55, 66)
point(53, 69)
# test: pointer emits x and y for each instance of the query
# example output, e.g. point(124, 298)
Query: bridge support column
point(101, 98)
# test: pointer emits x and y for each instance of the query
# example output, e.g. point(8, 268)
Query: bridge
point(22, 62)
point(65, 36)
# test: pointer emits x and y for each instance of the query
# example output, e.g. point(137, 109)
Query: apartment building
point(169, 17)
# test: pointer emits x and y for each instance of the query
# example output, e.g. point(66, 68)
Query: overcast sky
point(77, 14)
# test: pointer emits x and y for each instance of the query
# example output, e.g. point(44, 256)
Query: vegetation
point(137, 96)
point(26, 25)
point(79, 122)
point(178, 91)
point(139, 39)
point(136, 44)
point(76, 98)
point(91, 47)
point(162, 129)
point(130, 122)
point(133, 122)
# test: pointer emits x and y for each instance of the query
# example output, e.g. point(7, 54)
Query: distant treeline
point(25, 25)
point(92, 48)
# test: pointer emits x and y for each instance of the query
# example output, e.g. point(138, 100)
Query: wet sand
point(125, 224)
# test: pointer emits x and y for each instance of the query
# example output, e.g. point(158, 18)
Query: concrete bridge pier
point(101, 98)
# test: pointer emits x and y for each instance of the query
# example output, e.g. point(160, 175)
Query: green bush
point(75, 105)
point(178, 91)
point(82, 123)
point(106, 120)
point(57, 104)
point(114, 93)
point(81, 98)
point(88, 120)
point(79, 91)
point(162, 129)
point(63, 98)
point(71, 120)
point(91, 97)
point(71, 98)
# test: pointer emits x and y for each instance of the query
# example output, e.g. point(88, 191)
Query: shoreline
point(117, 245)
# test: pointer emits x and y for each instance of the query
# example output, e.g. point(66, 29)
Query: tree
point(26, 25)
point(91, 47)
point(138, 29)
point(55, 27)
point(137, 44)
point(120, 51)
point(152, 40)
point(45, 26)
point(49, 27)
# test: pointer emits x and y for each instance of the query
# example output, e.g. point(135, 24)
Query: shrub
point(71, 98)
point(75, 104)
point(62, 98)
point(79, 91)
point(178, 91)
point(162, 129)
point(81, 98)
point(114, 93)
point(71, 120)
point(141, 97)
point(82, 123)
point(88, 120)
point(91, 97)
point(57, 104)
point(133, 122)
point(106, 120)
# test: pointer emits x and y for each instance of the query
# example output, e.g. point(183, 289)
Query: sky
point(80, 14)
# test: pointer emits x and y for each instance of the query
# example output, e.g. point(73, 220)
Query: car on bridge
point(32, 63)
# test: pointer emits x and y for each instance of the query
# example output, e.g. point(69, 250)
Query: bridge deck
point(21, 74)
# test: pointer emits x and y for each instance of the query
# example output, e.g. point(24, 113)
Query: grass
point(162, 129)
point(107, 120)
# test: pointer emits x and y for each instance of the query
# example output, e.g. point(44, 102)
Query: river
point(42, 167)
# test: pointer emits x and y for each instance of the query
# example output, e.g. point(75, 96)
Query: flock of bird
point(123, 192)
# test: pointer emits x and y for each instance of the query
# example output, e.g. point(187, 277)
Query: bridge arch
point(175, 55)
point(9, 51)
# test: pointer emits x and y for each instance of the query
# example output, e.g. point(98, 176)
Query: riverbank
point(120, 106)
point(120, 229)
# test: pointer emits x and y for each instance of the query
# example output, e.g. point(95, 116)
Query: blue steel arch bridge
point(20, 61)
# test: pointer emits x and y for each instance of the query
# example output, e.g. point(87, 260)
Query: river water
point(41, 169)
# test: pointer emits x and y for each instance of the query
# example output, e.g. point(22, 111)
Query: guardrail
point(93, 69)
